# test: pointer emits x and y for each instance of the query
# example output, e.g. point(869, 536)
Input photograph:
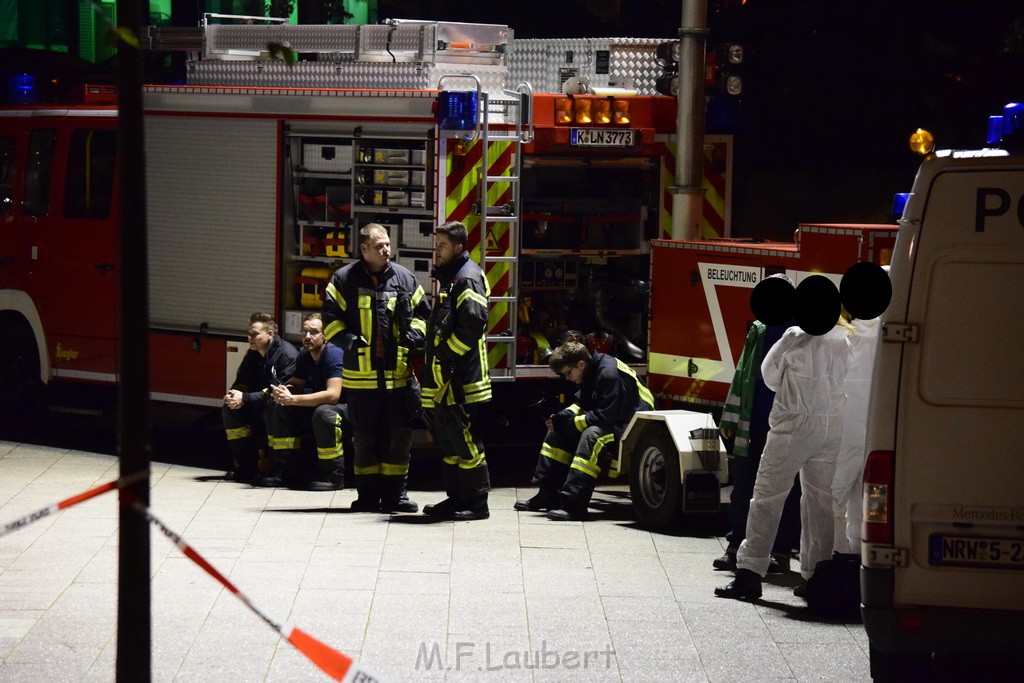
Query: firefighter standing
point(456, 382)
point(311, 396)
point(245, 401)
point(586, 432)
point(377, 311)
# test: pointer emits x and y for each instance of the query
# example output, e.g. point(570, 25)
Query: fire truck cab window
point(40, 168)
point(6, 174)
point(88, 186)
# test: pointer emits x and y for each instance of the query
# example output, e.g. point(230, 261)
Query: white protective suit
point(806, 372)
point(847, 485)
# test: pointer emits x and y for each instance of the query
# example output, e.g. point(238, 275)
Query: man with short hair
point(586, 432)
point(377, 311)
point(310, 397)
point(244, 403)
point(456, 381)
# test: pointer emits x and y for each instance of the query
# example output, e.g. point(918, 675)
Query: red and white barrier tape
point(23, 522)
point(335, 664)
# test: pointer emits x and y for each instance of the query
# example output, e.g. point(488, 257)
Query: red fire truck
point(258, 172)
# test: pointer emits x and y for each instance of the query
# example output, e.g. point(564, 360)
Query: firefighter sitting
point(310, 397)
point(585, 434)
point(268, 357)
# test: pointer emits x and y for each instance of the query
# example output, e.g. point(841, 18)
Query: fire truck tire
point(654, 482)
point(19, 368)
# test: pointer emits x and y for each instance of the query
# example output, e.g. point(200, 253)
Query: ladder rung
point(502, 179)
point(510, 138)
point(500, 339)
point(500, 218)
point(499, 259)
point(506, 299)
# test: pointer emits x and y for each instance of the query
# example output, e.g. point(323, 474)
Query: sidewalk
point(512, 598)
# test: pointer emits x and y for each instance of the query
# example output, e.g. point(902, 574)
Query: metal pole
point(133, 604)
point(688, 193)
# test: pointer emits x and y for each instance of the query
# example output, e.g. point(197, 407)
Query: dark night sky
point(832, 88)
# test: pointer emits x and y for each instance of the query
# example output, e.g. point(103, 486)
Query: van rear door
point(959, 440)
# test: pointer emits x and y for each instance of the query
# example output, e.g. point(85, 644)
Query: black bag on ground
point(833, 591)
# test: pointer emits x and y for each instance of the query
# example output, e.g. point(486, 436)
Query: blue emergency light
point(21, 89)
point(457, 110)
point(899, 202)
point(1007, 128)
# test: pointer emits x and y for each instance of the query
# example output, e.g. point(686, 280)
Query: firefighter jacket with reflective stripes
point(379, 319)
point(456, 366)
point(609, 395)
point(254, 374)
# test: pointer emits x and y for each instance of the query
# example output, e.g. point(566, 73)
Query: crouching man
point(310, 397)
point(584, 435)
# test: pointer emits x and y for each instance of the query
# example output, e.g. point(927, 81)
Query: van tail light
point(878, 497)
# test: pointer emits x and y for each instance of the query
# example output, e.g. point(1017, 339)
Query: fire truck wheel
point(19, 367)
point(654, 482)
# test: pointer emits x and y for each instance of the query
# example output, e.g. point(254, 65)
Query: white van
point(943, 549)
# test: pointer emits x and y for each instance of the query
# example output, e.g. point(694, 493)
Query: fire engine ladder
point(512, 108)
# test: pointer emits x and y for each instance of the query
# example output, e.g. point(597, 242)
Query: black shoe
point(400, 505)
point(726, 563)
point(443, 510)
point(324, 486)
point(268, 482)
point(800, 591)
point(544, 500)
point(471, 514)
point(562, 515)
point(778, 565)
point(365, 505)
point(231, 475)
point(746, 586)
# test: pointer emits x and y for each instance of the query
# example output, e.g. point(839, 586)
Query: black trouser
point(464, 467)
point(330, 422)
point(244, 430)
point(381, 438)
point(571, 461)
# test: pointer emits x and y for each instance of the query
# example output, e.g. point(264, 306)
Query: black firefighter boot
point(474, 485)
point(330, 474)
point(393, 495)
point(447, 507)
point(368, 488)
point(273, 478)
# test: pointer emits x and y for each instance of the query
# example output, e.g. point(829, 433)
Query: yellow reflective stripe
point(580, 421)
point(417, 296)
point(365, 324)
point(369, 469)
point(476, 456)
point(585, 467)
point(330, 453)
point(284, 443)
point(334, 328)
point(238, 432)
point(456, 345)
point(451, 459)
point(391, 470)
point(574, 409)
point(645, 394)
point(590, 466)
point(479, 396)
point(556, 454)
point(419, 324)
point(470, 294)
point(335, 295)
